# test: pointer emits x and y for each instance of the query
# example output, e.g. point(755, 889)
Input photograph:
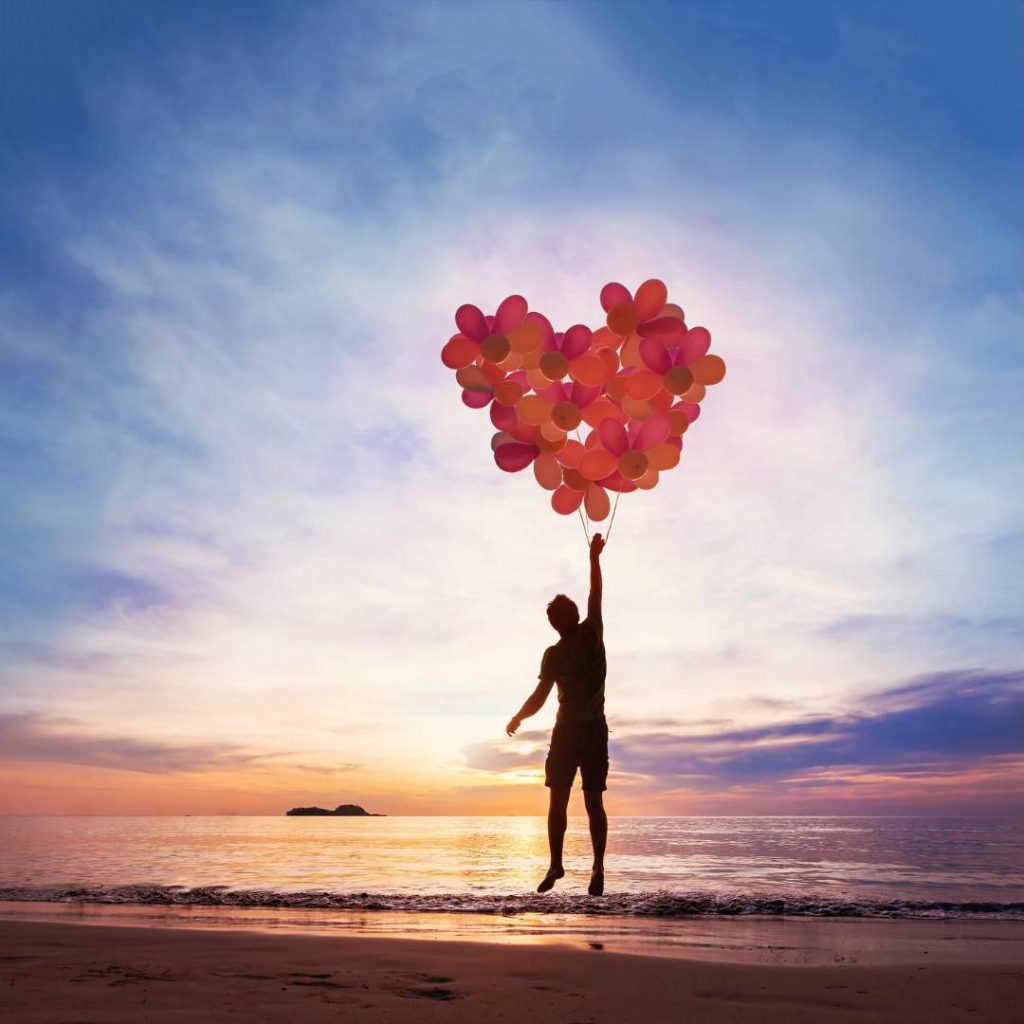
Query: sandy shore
point(62, 973)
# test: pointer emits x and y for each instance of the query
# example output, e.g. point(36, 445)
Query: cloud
point(947, 723)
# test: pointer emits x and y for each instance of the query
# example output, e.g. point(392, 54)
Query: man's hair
point(563, 613)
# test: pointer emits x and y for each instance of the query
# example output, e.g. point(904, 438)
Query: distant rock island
point(341, 811)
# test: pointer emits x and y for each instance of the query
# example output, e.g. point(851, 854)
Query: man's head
point(563, 613)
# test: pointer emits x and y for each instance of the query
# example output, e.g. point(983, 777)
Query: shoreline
point(60, 971)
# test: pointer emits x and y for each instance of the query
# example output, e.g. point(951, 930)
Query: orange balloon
point(511, 362)
point(597, 504)
point(494, 374)
point(650, 299)
point(633, 464)
point(534, 409)
point(507, 392)
point(588, 369)
point(663, 456)
point(622, 319)
point(604, 337)
point(547, 471)
point(629, 354)
point(554, 365)
point(648, 481)
point(708, 369)
point(615, 389)
point(527, 337)
point(460, 351)
point(600, 409)
point(597, 464)
point(643, 384)
point(610, 358)
point(530, 360)
point(571, 455)
point(566, 415)
point(537, 380)
point(680, 423)
point(574, 479)
point(472, 378)
point(553, 445)
point(694, 394)
point(635, 409)
point(671, 309)
point(552, 432)
point(495, 347)
point(660, 403)
point(678, 380)
point(565, 501)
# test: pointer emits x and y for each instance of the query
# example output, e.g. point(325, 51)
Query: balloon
point(597, 463)
point(614, 294)
point(650, 299)
point(708, 369)
point(514, 456)
point(477, 399)
point(622, 319)
point(509, 314)
point(643, 384)
point(588, 368)
point(471, 321)
point(597, 503)
point(565, 501)
point(566, 415)
point(678, 380)
point(495, 347)
point(635, 383)
point(534, 409)
point(554, 365)
point(547, 471)
point(662, 456)
point(633, 464)
point(460, 351)
point(508, 392)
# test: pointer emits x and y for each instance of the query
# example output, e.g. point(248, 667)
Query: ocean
point(881, 867)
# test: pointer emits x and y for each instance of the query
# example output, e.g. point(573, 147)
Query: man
point(580, 736)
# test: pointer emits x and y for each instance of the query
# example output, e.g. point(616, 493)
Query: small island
point(341, 811)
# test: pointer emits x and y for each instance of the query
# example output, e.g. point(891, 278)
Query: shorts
point(582, 745)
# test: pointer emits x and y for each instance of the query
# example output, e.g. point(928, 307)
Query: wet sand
point(56, 971)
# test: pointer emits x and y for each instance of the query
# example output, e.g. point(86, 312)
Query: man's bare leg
point(598, 838)
point(556, 835)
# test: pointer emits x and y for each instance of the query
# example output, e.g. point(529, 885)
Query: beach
point(60, 971)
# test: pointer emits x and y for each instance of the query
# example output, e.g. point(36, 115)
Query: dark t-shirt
point(577, 664)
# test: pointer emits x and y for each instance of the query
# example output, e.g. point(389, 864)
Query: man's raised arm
point(594, 604)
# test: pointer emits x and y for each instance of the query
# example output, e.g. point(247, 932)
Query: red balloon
point(515, 456)
point(471, 321)
point(565, 501)
point(510, 314)
point(614, 294)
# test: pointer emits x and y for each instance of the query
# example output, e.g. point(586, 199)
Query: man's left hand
point(513, 725)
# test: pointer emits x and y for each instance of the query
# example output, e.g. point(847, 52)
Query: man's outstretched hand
point(513, 725)
point(596, 545)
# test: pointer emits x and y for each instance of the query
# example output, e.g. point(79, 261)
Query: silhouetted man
point(580, 736)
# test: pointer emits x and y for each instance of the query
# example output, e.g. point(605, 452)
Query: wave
point(659, 904)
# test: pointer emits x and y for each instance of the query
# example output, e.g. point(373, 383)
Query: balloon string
point(584, 525)
point(611, 522)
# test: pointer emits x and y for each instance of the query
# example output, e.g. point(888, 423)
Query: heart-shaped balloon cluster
point(636, 383)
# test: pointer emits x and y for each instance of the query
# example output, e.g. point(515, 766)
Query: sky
point(254, 551)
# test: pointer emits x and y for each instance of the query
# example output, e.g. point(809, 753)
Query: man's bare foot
point(548, 882)
point(596, 887)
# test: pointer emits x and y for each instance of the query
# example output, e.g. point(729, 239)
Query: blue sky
point(243, 499)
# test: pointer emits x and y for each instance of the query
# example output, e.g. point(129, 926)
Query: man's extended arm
point(533, 704)
point(594, 604)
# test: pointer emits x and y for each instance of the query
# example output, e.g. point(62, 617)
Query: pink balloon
point(617, 482)
point(565, 501)
point(477, 399)
point(654, 430)
point(471, 321)
point(503, 416)
point(690, 409)
point(576, 341)
point(584, 394)
point(665, 328)
point(613, 436)
point(614, 294)
point(695, 344)
point(510, 314)
point(655, 355)
point(515, 456)
point(571, 454)
point(543, 323)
